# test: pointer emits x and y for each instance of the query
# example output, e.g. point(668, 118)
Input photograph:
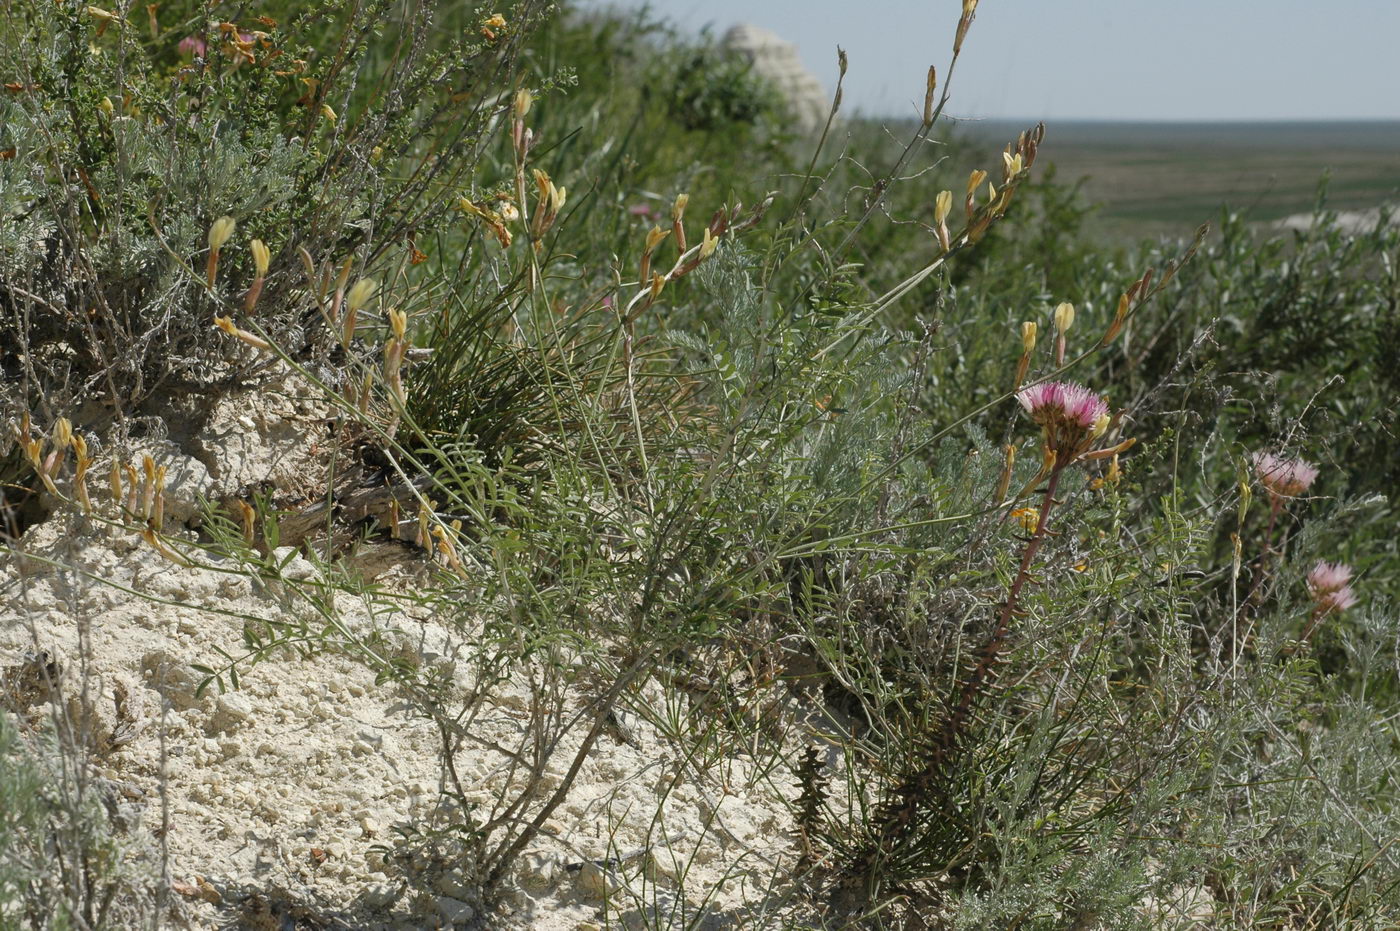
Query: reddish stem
point(991, 650)
point(1276, 506)
point(901, 817)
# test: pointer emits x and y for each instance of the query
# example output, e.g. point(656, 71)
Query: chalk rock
point(776, 61)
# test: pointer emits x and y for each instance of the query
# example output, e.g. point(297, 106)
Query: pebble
point(594, 883)
point(454, 911)
point(231, 711)
point(379, 894)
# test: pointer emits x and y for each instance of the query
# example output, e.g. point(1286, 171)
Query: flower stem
point(900, 816)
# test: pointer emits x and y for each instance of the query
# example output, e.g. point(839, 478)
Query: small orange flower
point(1029, 518)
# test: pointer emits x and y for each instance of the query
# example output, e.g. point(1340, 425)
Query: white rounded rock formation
point(776, 61)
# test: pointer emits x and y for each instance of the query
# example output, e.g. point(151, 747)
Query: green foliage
point(65, 862)
point(777, 490)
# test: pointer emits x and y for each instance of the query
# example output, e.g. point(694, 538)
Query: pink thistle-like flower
point(1329, 585)
point(1060, 401)
point(1283, 477)
point(1339, 600)
point(1328, 577)
point(1071, 416)
point(192, 46)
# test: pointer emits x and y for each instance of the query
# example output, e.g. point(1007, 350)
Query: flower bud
point(220, 231)
point(1100, 426)
point(523, 100)
point(708, 244)
point(942, 206)
point(1064, 316)
point(1028, 331)
point(974, 180)
point(654, 238)
point(930, 86)
point(678, 209)
point(261, 256)
point(360, 293)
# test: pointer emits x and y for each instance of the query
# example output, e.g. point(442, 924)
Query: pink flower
point(1328, 577)
point(1062, 401)
point(1285, 478)
point(192, 46)
point(1328, 583)
point(1339, 600)
point(1070, 415)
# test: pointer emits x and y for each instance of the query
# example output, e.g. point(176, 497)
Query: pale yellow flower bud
point(541, 181)
point(1028, 331)
point(974, 180)
point(328, 113)
point(523, 100)
point(654, 238)
point(1100, 426)
point(398, 322)
point(62, 433)
point(557, 197)
point(261, 256)
point(678, 209)
point(942, 206)
point(360, 293)
point(708, 244)
point(106, 106)
point(220, 231)
point(1064, 316)
point(252, 339)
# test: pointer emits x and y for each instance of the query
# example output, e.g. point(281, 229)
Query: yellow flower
point(1029, 518)
point(708, 244)
point(220, 231)
point(360, 293)
point(261, 256)
point(1064, 316)
point(942, 206)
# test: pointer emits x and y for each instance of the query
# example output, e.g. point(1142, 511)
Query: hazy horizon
point(1093, 60)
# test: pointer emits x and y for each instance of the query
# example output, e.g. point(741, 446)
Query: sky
point(1091, 59)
